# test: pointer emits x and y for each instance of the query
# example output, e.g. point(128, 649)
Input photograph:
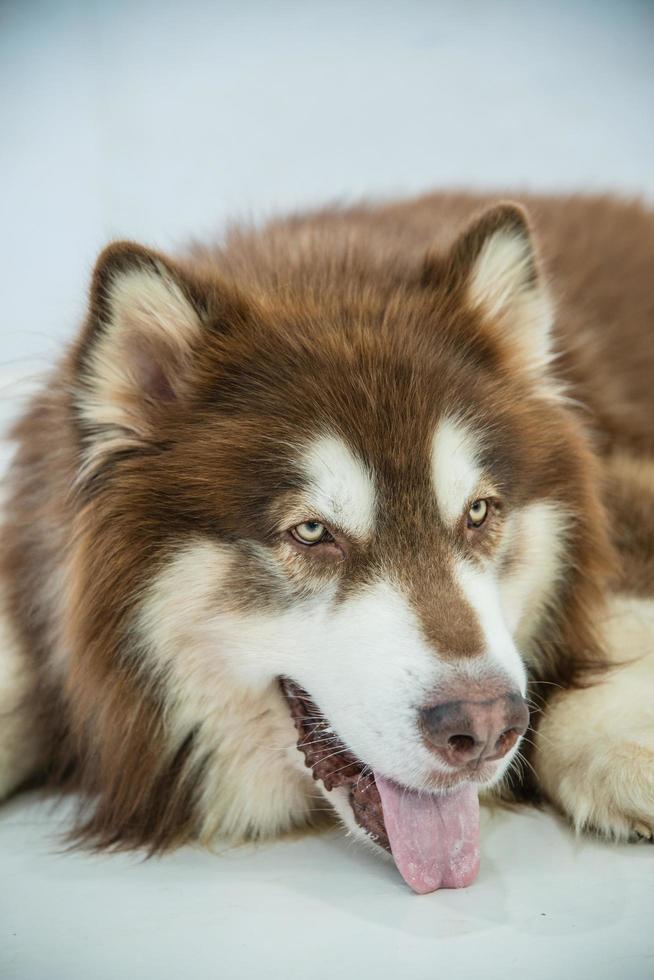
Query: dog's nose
point(462, 732)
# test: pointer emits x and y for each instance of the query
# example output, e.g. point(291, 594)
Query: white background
point(160, 121)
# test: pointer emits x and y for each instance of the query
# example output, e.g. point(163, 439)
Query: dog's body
point(357, 451)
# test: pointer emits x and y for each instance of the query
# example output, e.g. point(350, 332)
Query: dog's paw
point(594, 755)
point(608, 789)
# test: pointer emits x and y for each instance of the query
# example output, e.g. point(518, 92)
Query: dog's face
point(367, 496)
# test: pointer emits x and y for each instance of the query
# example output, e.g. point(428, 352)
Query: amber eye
point(310, 532)
point(477, 513)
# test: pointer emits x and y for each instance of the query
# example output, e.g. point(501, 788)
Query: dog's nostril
point(461, 744)
point(507, 740)
point(464, 731)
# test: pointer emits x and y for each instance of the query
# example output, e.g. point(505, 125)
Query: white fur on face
point(508, 607)
point(455, 471)
point(480, 587)
point(340, 487)
point(252, 784)
point(531, 583)
point(363, 660)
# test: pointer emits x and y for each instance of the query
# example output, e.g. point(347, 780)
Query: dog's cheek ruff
point(333, 764)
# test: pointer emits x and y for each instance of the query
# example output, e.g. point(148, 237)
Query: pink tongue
point(434, 839)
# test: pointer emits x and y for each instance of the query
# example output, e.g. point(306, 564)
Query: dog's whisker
point(549, 684)
point(541, 735)
point(523, 760)
point(309, 742)
point(331, 755)
point(341, 768)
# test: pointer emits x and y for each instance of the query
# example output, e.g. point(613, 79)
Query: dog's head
point(358, 480)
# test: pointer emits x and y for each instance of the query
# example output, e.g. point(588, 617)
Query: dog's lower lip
point(333, 764)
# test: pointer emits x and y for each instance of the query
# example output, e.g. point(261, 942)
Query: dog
point(354, 513)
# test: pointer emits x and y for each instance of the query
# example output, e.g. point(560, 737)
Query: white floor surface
point(545, 907)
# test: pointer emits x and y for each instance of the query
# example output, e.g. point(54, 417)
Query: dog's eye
point(477, 513)
point(311, 532)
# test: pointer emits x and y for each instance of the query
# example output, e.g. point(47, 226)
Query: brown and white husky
point(375, 484)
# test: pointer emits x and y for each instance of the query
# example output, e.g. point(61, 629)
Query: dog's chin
point(350, 785)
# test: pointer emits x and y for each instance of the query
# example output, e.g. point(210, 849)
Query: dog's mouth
point(433, 837)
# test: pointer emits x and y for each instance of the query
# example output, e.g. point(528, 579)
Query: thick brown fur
point(81, 541)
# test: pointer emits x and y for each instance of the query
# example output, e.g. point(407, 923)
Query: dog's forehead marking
point(339, 485)
point(455, 469)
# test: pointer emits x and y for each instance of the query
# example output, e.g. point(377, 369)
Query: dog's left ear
point(133, 359)
point(494, 264)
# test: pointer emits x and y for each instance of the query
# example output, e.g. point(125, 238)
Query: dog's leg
point(594, 751)
point(20, 741)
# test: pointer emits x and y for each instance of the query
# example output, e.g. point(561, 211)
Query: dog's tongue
point(434, 839)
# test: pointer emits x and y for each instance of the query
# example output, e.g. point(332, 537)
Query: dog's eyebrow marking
point(455, 469)
point(340, 486)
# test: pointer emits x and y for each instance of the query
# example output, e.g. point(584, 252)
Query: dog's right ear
point(146, 319)
point(494, 266)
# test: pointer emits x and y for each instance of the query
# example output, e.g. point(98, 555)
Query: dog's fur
point(376, 369)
